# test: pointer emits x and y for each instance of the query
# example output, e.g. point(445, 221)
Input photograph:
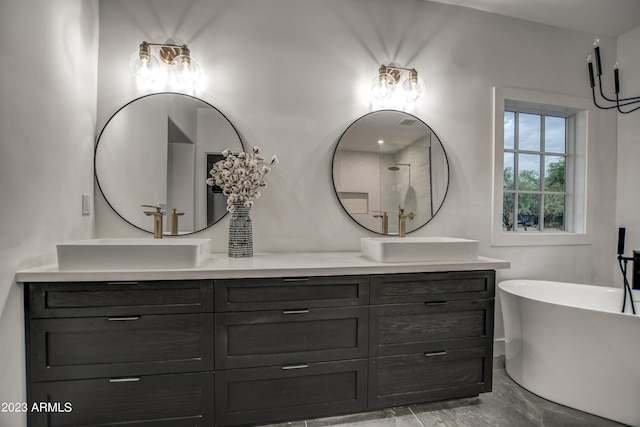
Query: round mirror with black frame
point(158, 150)
point(389, 160)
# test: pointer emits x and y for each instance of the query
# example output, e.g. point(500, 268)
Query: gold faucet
point(385, 221)
point(157, 220)
point(174, 221)
point(402, 221)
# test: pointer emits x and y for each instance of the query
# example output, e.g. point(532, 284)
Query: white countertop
point(219, 266)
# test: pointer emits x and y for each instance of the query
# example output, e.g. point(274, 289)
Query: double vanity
point(160, 332)
point(273, 338)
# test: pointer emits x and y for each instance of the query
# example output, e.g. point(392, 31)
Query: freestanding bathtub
point(570, 344)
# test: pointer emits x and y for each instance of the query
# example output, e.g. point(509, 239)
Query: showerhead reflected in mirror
point(158, 149)
point(387, 160)
point(396, 166)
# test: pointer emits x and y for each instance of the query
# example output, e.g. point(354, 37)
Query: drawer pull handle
point(301, 311)
point(123, 319)
point(436, 303)
point(435, 353)
point(124, 380)
point(296, 279)
point(122, 283)
point(302, 366)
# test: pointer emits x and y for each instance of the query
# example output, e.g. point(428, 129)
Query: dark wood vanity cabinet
point(297, 352)
point(431, 336)
point(167, 400)
point(251, 351)
point(121, 353)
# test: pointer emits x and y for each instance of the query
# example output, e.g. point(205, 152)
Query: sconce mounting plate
point(395, 73)
point(168, 53)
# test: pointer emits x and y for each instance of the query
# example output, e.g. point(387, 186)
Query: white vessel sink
point(406, 249)
point(127, 254)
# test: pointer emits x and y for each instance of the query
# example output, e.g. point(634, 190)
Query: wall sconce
point(617, 102)
point(146, 67)
point(385, 83)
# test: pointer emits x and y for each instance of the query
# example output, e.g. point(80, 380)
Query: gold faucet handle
point(381, 214)
point(175, 212)
point(157, 208)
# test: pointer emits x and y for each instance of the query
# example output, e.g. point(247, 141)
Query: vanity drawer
point(419, 327)
point(264, 338)
point(415, 287)
point(285, 393)
point(424, 377)
point(291, 293)
point(119, 298)
point(95, 347)
point(182, 400)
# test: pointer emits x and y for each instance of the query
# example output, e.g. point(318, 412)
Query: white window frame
point(578, 222)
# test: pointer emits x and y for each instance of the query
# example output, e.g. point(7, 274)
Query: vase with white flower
point(241, 177)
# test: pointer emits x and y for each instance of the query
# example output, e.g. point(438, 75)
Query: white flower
point(240, 176)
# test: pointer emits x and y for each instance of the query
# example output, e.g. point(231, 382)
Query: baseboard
point(499, 354)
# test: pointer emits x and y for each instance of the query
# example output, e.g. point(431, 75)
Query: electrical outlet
point(86, 204)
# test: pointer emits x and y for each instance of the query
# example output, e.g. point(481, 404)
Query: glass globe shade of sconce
point(185, 69)
point(413, 87)
point(143, 65)
point(384, 84)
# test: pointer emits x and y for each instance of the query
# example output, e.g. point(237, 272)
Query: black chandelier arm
point(630, 111)
point(617, 104)
point(593, 90)
point(622, 103)
point(635, 98)
point(629, 103)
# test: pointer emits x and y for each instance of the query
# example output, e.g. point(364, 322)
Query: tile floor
point(508, 405)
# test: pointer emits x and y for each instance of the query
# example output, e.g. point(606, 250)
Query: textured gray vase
point(240, 233)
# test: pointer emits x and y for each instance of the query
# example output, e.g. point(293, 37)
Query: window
point(534, 179)
point(540, 143)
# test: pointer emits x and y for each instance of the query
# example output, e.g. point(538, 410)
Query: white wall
point(48, 77)
point(131, 142)
point(293, 74)
point(629, 144)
